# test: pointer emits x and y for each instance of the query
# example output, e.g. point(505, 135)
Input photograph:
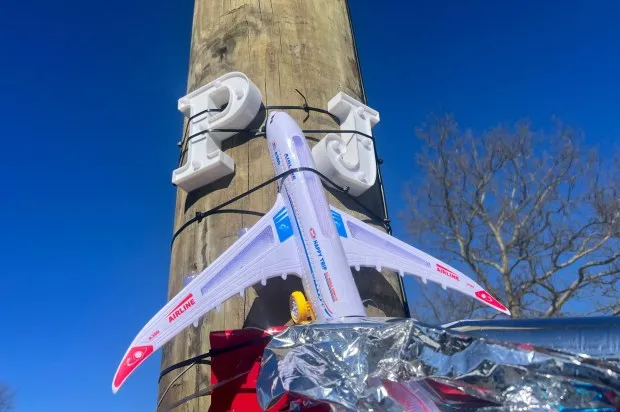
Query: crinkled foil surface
point(386, 364)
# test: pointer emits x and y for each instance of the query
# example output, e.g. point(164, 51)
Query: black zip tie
point(305, 109)
point(208, 391)
point(192, 117)
point(261, 133)
point(218, 209)
point(258, 132)
point(312, 131)
point(212, 353)
point(344, 189)
point(305, 106)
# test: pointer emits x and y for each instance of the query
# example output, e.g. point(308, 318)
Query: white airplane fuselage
point(326, 275)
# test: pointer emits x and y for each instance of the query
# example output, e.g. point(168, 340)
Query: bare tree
point(533, 217)
point(6, 398)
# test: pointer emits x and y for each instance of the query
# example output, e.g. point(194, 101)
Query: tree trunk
point(282, 45)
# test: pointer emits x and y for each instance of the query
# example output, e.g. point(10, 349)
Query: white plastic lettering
point(205, 162)
point(349, 158)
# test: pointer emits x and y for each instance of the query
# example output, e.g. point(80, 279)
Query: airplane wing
point(366, 246)
point(267, 250)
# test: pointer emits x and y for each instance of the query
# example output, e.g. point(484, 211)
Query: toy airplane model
point(301, 235)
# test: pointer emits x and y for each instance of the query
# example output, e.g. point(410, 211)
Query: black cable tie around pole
point(305, 106)
point(218, 209)
point(212, 353)
point(257, 132)
point(262, 132)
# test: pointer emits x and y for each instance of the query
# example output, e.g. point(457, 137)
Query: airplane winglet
point(134, 357)
point(486, 298)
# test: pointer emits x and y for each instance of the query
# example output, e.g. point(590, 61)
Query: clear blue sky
point(86, 213)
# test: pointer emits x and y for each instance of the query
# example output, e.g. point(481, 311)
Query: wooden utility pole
point(282, 45)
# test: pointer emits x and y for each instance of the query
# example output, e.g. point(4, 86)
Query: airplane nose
point(283, 120)
point(271, 117)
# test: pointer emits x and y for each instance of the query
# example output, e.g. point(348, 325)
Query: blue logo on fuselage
point(283, 225)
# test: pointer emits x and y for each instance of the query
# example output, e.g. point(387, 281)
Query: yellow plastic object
point(301, 311)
